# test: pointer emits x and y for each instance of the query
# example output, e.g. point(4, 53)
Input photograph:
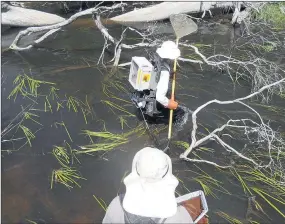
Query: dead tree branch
point(54, 28)
point(265, 133)
point(118, 43)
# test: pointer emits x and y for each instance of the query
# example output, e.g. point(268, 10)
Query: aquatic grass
point(87, 104)
point(29, 116)
point(66, 130)
point(282, 95)
point(72, 153)
point(26, 86)
point(267, 46)
point(262, 194)
point(265, 184)
point(123, 122)
point(101, 146)
point(67, 176)
point(61, 154)
point(229, 219)
point(243, 183)
point(105, 90)
point(113, 105)
point(120, 86)
point(264, 178)
point(157, 130)
point(275, 109)
point(31, 221)
point(65, 155)
point(105, 134)
point(200, 45)
point(206, 149)
point(256, 205)
point(19, 88)
point(58, 106)
point(182, 144)
point(109, 140)
point(47, 104)
point(29, 135)
point(208, 183)
point(205, 128)
point(84, 114)
point(72, 103)
point(253, 222)
point(101, 202)
point(53, 93)
point(182, 182)
point(206, 188)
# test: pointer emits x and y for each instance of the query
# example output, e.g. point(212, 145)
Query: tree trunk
point(164, 10)
point(22, 17)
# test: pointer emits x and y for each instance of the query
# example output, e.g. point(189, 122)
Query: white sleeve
point(162, 87)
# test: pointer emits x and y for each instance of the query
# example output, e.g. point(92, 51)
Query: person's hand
point(172, 105)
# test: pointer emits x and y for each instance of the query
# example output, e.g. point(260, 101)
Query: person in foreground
point(150, 192)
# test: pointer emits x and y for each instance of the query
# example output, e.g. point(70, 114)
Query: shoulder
point(115, 204)
point(181, 216)
point(114, 213)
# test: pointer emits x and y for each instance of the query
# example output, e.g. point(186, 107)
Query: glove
point(172, 105)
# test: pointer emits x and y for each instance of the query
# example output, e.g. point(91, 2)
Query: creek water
point(69, 59)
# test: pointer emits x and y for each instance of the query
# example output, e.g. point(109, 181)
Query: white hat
point(150, 187)
point(168, 50)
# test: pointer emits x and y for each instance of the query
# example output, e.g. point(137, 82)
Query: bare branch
point(57, 26)
point(266, 132)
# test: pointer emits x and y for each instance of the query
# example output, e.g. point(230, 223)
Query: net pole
point(172, 94)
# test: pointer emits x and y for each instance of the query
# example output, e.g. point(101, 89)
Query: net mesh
point(182, 25)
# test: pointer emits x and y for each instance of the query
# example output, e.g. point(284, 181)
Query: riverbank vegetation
point(272, 13)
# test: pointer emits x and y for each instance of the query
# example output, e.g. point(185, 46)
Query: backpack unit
point(144, 76)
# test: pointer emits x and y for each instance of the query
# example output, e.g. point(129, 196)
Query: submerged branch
point(263, 127)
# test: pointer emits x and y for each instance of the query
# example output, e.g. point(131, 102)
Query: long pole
point(172, 94)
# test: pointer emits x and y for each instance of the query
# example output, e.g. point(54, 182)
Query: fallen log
point(164, 10)
point(22, 17)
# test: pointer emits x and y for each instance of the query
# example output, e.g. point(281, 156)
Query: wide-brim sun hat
point(168, 50)
point(150, 187)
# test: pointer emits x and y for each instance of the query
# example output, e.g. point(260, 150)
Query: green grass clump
point(269, 187)
point(182, 144)
point(26, 86)
point(109, 140)
point(272, 13)
point(29, 135)
point(209, 184)
point(61, 154)
point(229, 219)
point(67, 176)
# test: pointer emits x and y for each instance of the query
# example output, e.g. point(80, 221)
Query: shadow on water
point(69, 59)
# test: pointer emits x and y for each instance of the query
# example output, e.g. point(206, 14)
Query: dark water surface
point(69, 59)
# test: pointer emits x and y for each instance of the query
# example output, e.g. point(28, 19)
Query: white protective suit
point(168, 50)
point(162, 88)
point(150, 193)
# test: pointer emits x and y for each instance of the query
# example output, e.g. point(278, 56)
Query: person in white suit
point(150, 193)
